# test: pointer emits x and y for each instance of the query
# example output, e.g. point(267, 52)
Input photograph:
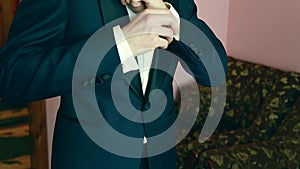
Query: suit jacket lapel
point(135, 82)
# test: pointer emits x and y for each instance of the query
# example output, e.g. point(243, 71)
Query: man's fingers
point(151, 29)
point(157, 31)
point(162, 31)
point(123, 2)
point(161, 42)
point(169, 21)
point(162, 18)
point(136, 3)
point(136, 6)
point(146, 1)
point(169, 39)
point(140, 44)
point(157, 11)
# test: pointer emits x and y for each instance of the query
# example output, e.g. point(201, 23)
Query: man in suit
point(38, 60)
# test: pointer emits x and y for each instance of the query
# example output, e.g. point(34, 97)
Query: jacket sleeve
point(36, 63)
point(203, 68)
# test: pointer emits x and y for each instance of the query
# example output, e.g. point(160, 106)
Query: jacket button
point(85, 83)
point(105, 76)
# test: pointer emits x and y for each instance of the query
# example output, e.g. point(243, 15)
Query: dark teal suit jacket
point(38, 59)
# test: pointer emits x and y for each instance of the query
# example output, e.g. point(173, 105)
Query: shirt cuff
point(125, 54)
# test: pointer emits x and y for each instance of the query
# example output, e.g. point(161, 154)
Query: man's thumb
point(136, 3)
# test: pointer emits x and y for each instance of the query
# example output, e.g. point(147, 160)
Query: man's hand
point(150, 29)
point(140, 5)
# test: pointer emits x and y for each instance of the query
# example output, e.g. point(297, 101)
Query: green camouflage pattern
point(260, 124)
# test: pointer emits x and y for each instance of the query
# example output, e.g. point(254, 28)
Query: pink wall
point(51, 108)
point(266, 32)
point(215, 14)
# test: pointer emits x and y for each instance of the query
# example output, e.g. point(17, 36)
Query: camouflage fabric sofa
point(260, 126)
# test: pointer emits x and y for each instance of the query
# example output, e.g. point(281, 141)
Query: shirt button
point(92, 81)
